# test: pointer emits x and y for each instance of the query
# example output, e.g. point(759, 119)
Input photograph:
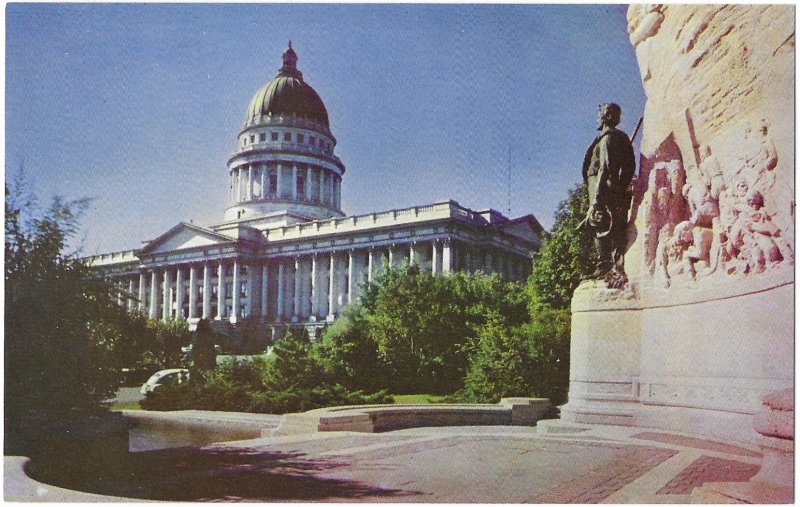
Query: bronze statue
point(608, 169)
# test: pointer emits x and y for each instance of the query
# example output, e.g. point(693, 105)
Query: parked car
point(171, 376)
point(188, 349)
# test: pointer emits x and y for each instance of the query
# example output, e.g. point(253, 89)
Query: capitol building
point(285, 252)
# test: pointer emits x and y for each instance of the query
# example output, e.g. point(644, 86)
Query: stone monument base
point(695, 360)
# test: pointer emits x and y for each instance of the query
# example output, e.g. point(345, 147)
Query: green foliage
point(349, 353)
point(203, 356)
point(499, 364)
point(58, 363)
point(566, 255)
point(420, 324)
point(294, 381)
point(548, 334)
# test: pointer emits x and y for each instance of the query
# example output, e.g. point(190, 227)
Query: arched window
point(301, 185)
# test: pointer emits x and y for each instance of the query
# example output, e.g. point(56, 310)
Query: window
point(273, 183)
point(301, 185)
point(244, 142)
point(312, 141)
point(252, 138)
point(274, 136)
point(300, 139)
point(229, 288)
point(287, 136)
point(243, 289)
point(262, 137)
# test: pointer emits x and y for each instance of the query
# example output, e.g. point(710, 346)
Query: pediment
point(184, 236)
point(525, 228)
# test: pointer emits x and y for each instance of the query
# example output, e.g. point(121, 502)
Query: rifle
point(636, 130)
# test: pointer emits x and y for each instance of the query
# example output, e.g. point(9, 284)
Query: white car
point(163, 377)
point(188, 349)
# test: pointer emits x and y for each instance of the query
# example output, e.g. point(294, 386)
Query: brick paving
point(434, 465)
point(708, 469)
point(605, 481)
point(697, 443)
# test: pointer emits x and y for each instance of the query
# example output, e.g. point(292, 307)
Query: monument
point(703, 329)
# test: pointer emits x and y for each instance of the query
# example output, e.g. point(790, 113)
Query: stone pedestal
point(692, 360)
point(604, 356)
point(774, 483)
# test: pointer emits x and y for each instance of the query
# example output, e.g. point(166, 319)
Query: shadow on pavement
point(200, 474)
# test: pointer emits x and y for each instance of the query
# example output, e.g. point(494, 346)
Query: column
point(331, 286)
point(192, 291)
point(130, 295)
point(279, 173)
point(236, 186)
point(220, 291)
point(369, 263)
point(166, 299)
point(153, 294)
point(447, 264)
point(412, 252)
point(235, 292)
point(321, 185)
point(294, 182)
point(179, 293)
point(308, 183)
point(263, 179)
point(391, 256)
point(350, 276)
point(332, 191)
point(249, 292)
point(206, 290)
point(296, 306)
point(264, 294)
point(250, 182)
point(435, 256)
point(314, 295)
point(279, 316)
point(142, 290)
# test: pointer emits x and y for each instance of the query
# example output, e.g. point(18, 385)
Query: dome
point(288, 95)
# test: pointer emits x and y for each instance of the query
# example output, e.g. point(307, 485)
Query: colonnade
point(294, 288)
point(263, 181)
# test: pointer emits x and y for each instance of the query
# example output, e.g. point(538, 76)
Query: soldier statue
point(608, 169)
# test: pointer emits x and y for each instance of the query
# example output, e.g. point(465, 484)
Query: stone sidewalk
point(553, 463)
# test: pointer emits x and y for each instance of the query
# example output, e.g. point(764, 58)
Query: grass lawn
point(417, 398)
point(125, 405)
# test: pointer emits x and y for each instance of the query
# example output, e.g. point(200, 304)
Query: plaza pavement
point(554, 462)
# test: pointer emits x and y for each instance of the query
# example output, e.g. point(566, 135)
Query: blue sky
point(138, 106)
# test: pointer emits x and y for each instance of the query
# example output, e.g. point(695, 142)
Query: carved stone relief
point(698, 224)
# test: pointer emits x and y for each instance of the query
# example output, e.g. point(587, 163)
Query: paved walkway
point(554, 463)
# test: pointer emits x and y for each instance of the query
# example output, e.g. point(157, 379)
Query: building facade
point(286, 253)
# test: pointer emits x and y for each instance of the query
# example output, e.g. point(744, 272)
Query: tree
point(350, 354)
point(204, 357)
point(58, 363)
point(567, 253)
point(499, 364)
